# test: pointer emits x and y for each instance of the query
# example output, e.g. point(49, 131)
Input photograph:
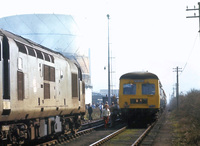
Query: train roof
point(31, 43)
point(24, 40)
point(139, 75)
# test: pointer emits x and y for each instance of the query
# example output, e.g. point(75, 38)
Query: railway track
point(96, 135)
point(87, 127)
point(119, 135)
point(124, 136)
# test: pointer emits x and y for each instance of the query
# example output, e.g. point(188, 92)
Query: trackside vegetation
point(186, 118)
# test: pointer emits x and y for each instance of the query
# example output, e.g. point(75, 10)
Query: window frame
point(148, 91)
point(133, 87)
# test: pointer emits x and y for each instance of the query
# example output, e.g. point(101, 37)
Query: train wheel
point(78, 122)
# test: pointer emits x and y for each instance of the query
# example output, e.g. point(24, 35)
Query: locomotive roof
point(25, 41)
point(139, 75)
point(31, 43)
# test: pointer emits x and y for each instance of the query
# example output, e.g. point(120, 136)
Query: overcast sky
point(152, 36)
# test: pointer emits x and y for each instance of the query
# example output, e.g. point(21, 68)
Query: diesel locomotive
point(141, 96)
point(42, 92)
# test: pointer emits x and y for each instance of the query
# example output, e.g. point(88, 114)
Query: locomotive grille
point(74, 85)
point(138, 101)
point(20, 85)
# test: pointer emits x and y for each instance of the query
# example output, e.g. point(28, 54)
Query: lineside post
point(177, 70)
point(195, 9)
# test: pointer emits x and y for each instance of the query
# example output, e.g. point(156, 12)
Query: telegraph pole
point(195, 9)
point(109, 98)
point(177, 70)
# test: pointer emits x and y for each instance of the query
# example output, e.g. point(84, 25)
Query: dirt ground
point(165, 135)
point(162, 133)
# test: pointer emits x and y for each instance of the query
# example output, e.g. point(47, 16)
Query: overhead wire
point(193, 46)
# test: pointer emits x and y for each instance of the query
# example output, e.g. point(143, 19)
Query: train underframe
point(139, 117)
point(21, 132)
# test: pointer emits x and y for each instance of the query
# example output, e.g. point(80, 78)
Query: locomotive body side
point(40, 88)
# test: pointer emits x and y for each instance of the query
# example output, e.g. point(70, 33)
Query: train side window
point(46, 56)
point(129, 89)
point(39, 54)
point(21, 47)
point(148, 89)
point(31, 51)
point(20, 63)
point(20, 85)
point(74, 85)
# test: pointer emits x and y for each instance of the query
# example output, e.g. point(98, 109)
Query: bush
point(188, 116)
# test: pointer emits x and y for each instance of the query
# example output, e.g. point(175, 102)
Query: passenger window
point(129, 89)
point(148, 89)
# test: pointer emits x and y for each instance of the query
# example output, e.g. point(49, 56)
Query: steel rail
point(139, 140)
point(103, 140)
point(65, 139)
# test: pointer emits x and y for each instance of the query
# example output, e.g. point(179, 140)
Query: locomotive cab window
point(148, 89)
point(129, 89)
